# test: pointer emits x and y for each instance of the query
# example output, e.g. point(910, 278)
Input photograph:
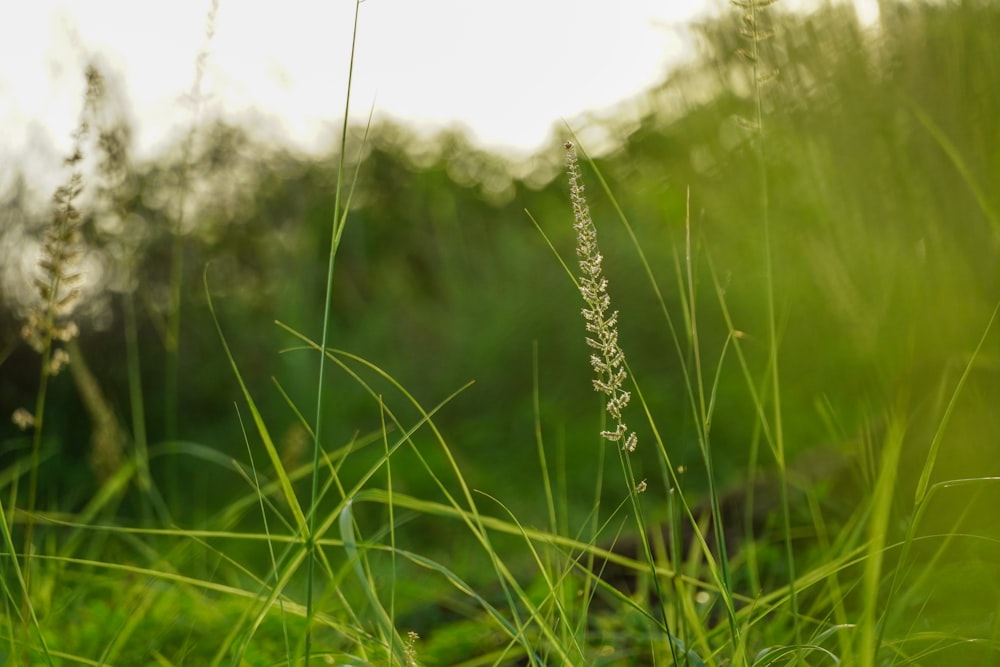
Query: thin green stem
point(778, 430)
point(138, 410)
point(36, 447)
point(704, 421)
point(338, 230)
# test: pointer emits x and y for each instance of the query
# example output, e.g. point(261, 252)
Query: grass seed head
point(608, 360)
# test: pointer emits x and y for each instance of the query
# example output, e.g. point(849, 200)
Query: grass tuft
point(391, 543)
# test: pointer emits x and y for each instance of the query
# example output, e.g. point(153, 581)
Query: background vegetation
point(881, 153)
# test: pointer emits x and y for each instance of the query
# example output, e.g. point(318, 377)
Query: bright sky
point(506, 70)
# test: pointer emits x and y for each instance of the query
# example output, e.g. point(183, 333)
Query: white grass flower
point(23, 419)
point(608, 360)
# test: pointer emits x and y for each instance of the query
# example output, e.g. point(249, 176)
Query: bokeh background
point(881, 155)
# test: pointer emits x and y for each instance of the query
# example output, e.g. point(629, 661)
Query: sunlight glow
point(508, 73)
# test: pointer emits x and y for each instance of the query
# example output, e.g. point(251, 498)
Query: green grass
point(398, 539)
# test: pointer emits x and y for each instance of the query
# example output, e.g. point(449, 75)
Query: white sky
point(507, 70)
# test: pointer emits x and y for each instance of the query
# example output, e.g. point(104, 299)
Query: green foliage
point(491, 523)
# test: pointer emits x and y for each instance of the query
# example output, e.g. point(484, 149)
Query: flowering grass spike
point(607, 360)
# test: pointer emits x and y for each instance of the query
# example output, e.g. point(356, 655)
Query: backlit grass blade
point(258, 420)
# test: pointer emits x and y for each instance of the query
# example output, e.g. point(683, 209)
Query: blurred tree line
point(881, 154)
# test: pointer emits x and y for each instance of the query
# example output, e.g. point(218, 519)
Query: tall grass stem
point(339, 222)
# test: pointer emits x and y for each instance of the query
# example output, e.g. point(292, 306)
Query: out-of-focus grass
point(880, 155)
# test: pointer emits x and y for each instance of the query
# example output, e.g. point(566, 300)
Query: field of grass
point(347, 411)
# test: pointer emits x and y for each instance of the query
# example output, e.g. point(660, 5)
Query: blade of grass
point(258, 420)
point(394, 643)
point(931, 459)
point(19, 577)
point(339, 223)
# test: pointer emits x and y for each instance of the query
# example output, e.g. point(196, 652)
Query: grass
point(377, 548)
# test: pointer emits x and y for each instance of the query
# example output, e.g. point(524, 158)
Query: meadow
point(710, 382)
